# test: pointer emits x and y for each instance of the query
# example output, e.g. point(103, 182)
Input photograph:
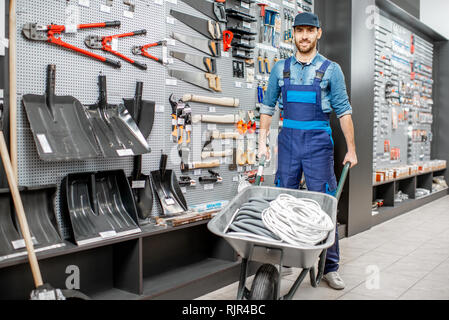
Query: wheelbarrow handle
point(260, 170)
point(342, 181)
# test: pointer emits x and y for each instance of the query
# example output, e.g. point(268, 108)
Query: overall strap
point(286, 76)
point(320, 72)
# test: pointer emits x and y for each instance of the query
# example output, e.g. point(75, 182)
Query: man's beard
point(308, 49)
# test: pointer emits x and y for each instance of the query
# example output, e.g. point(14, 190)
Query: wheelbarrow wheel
point(265, 283)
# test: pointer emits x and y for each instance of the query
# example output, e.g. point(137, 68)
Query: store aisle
point(404, 258)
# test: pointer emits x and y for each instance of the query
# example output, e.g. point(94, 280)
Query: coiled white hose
point(297, 221)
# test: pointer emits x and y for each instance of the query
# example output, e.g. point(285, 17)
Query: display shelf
point(70, 247)
point(387, 213)
point(375, 184)
point(162, 284)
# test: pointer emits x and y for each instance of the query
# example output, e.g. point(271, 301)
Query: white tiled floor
point(404, 258)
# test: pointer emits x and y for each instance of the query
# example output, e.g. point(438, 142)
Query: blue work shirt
point(333, 87)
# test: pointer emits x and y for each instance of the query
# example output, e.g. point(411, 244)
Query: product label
point(246, 25)
point(160, 108)
point(184, 190)
point(108, 234)
point(249, 85)
point(159, 2)
point(238, 84)
point(197, 172)
point(44, 143)
point(19, 244)
point(70, 28)
point(212, 109)
point(208, 186)
point(125, 152)
point(138, 184)
point(170, 20)
point(114, 44)
point(128, 14)
point(105, 8)
point(84, 3)
point(235, 178)
point(171, 82)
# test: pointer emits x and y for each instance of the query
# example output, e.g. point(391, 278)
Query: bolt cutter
point(51, 33)
point(106, 43)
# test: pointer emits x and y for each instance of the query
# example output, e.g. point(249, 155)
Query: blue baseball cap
point(307, 19)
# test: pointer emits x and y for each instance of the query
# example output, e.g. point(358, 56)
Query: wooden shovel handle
point(20, 212)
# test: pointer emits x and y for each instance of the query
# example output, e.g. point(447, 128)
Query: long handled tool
point(107, 43)
point(12, 86)
point(50, 33)
point(42, 291)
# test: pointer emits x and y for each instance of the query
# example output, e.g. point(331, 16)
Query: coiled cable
point(297, 221)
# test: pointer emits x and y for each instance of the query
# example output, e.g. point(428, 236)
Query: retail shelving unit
point(386, 190)
point(159, 263)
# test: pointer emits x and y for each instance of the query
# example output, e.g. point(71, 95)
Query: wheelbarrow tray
point(304, 256)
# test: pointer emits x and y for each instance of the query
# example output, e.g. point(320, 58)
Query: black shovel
point(142, 111)
point(42, 291)
point(60, 125)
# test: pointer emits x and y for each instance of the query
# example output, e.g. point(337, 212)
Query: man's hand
point(264, 151)
point(352, 158)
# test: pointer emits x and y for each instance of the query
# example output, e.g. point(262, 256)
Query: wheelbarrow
point(266, 283)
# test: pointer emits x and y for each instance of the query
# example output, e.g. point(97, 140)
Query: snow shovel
point(115, 129)
point(42, 291)
point(60, 125)
point(167, 190)
point(142, 112)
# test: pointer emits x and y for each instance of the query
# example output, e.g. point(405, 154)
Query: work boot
point(334, 280)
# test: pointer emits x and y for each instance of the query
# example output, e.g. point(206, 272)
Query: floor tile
point(386, 286)
point(427, 290)
point(355, 296)
point(398, 247)
point(374, 259)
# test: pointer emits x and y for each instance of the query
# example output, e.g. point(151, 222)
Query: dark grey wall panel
point(362, 99)
point(440, 143)
point(335, 44)
point(411, 6)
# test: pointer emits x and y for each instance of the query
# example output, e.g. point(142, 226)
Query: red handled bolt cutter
point(142, 50)
point(105, 43)
point(51, 33)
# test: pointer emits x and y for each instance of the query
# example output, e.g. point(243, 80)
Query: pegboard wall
point(403, 96)
point(77, 75)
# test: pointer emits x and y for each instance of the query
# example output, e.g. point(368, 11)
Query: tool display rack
point(159, 262)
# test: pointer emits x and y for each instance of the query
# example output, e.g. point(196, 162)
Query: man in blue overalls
point(311, 88)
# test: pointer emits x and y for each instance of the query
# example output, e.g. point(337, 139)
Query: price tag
point(172, 1)
point(225, 142)
point(138, 184)
point(211, 126)
point(128, 14)
point(258, 77)
point(171, 42)
point(19, 244)
point(105, 8)
point(246, 25)
point(249, 85)
point(181, 121)
point(197, 172)
point(71, 28)
point(170, 20)
point(84, 3)
point(160, 108)
point(225, 54)
point(208, 186)
point(184, 190)
point(170, 61)
point(107, 234)
point(244, 5)
point(235, 178)
point(114, 44)
point(248, 168)
point(212, 109)
point(240, 169)
point(159, 2)
point(44, 143)
point(244, 41)
point(238, 84)
point(125, 152)
point(171, 82)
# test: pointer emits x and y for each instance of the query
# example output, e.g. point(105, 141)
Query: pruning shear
point(142, 50)
point(51, 33)
point(106, 43)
